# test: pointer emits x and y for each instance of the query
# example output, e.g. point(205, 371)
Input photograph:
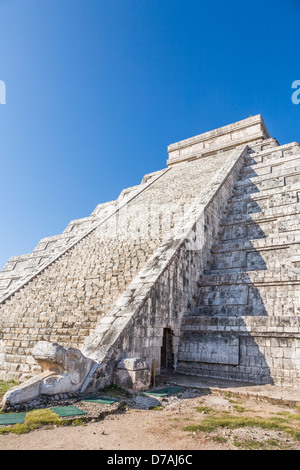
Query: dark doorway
point(167, 355)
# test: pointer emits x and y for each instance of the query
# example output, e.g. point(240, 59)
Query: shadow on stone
point(220, 337)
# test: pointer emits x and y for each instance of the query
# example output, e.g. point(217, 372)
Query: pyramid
point(196, 270)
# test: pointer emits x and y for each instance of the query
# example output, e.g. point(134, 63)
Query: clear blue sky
point(97, 90)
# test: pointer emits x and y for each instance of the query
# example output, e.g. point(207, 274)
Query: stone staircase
point(244, 323)
point(204, 252)
point(20, 269)
point(64, 297)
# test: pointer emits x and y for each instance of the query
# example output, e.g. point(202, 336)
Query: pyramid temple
point(195, 270)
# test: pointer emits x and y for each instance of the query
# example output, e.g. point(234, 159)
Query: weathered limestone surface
point(65, 370)
point(224, 139)
point(133, 374)
point(65, 301)
point(249, 292)
point(204, 253)
point(160, 294)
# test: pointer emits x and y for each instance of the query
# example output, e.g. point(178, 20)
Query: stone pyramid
point(197, 269)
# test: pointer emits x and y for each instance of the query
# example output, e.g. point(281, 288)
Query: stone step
point(9, 282)
point(214, 346)
point(277, 157)
point(250, 205)
point(21, 267)
point(225, 310)
point(256, 259)
point(53, 244)
point(270, 214)
point(45, 249)
point(220, 296)
point(18, 264)
point(253, 259)
point(265, 265)
point(80, 225)
point(279, 309)
point(208, 347)
point(267, 144)
point(288, 148)
point(272, 155)
point(266, 228)
point(275, 161)
point(257, 196)
point(280, 276)
point(270, 241)
point(250, 289)
point(263, 183)
point(243, 324)
point(250, 172)
point(248, 299)
point(274, 210)
point(212, 311)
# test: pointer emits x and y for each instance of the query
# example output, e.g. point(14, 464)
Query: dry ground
point(173, 424)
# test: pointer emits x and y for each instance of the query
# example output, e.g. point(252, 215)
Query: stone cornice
point(222, 139)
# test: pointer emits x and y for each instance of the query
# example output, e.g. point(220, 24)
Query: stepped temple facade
point(195, 270)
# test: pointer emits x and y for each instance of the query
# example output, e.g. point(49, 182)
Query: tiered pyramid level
point(245, 321)
point(196, 269)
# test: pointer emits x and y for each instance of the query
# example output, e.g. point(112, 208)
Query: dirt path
point(163, 428)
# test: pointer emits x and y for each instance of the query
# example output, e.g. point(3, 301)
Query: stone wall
point(206, 250)
point(245, 322)
point(65, 299)
point(249, 131)
point(164, 289)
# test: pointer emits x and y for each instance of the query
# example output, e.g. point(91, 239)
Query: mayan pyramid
point(197, 268)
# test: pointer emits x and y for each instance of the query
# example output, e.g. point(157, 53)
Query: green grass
point(239, 409)
point(204, 409)
point(33, 420)
point(116, 391)
point(251, 444)
point(237, 402)
point(219, 439)
point(225, 420)
point(287, 414)
point(6, 385)
point(269, 444)
point(36, 419)
point(156, 408)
